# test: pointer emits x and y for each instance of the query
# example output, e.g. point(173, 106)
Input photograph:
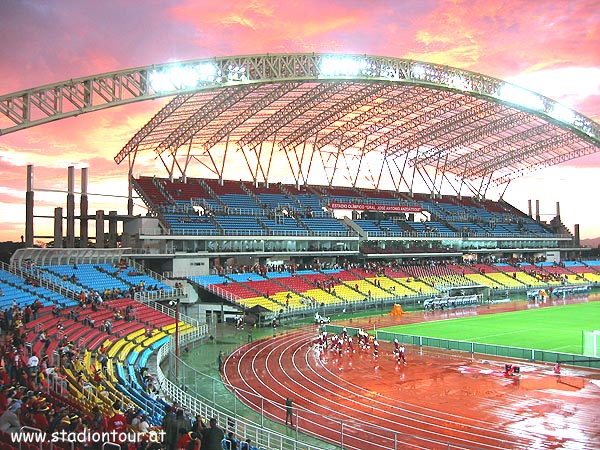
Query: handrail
point(261, 435)
point(43, 282)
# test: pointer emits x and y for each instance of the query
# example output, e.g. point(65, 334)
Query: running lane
point(436, 398)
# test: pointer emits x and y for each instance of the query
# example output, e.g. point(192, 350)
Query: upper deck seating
point(133, 277)
point(227, 187)
point(311, 202)
point(241, 225)
point(284, 226)
point(89, 277)
point(274, 201)
point(151, 191)
point(14, 288)
point(191, 224)
point(324, 225)
point(241, 204)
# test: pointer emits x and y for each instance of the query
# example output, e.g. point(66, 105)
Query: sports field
point(556, 328)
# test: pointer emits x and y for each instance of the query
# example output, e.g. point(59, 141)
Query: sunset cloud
point(552, 47)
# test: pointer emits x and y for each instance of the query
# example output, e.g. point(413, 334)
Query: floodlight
point(389, 72)
point(236, 73)
point(419, 71)
point(332, 66)
point(184, 77)
point(160, 81)
point(207, 72)
point(562, 113)
point(519, 96)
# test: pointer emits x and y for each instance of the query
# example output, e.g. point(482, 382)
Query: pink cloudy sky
point(549, 46)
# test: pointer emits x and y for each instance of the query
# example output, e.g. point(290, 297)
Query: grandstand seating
point(16, 289)
point(450, 215)
point(302, 289)
point(191, 223)
point(325, 226)
point(241, 225)
point(123, 348)
point(588, 272)
point(129, 346)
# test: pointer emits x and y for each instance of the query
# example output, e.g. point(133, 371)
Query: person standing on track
point(289, 413)
point(401, 351)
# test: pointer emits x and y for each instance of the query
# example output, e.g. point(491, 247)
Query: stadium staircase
point(399, 282)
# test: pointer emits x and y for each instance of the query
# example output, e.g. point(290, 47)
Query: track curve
point(438, 398)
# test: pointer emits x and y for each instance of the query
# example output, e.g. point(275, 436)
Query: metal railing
point(42, 281)
point(199, 393)
point(195, 405)
point(172, 312)
point(159, 295)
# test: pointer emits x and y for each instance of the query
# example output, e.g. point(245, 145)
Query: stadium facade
point(336, 159)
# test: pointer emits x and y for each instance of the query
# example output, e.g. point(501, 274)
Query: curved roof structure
point(354, 119)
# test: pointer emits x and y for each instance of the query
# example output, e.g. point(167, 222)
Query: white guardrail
point(261, 436)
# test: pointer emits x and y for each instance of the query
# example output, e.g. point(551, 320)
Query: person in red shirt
point(4, 379)
point(117, 422)
point(188, 441)
point(6, 394)
point(39, 418)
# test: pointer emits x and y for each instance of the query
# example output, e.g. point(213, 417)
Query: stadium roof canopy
point(348, 119)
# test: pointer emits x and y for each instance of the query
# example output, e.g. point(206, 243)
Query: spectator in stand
point(189, 441)
point(167, 424)
point(117, 422)
point(32, 365)
point(39, 417)
point(143, 426)
point(230, 443)
point(246, 445)
point(27, 314)
point(182, 423)
point(212, 436)
point(98, 421)
point(198, 424)
point(6, 395)
point(9, 420)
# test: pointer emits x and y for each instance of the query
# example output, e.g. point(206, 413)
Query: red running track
point(438, 398)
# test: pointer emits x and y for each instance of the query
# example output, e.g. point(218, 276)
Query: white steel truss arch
point(358, 112)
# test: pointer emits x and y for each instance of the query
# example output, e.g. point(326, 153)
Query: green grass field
point(557, 328)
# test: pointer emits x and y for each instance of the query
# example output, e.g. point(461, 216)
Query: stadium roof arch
point(354, 120)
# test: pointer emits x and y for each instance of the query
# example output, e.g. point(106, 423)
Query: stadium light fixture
point(182, 77)
point(342, 66)
point(562, 113)
point(159, 81)
point(419, 71)
point(519, 96)
point(236, 73)
point(207, 72)
point(389, 72)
